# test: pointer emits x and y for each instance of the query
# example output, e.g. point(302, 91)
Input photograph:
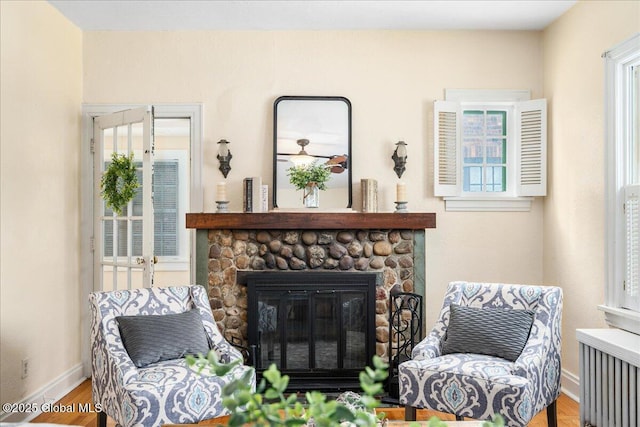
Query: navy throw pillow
point(153, 338)
point(490, 331)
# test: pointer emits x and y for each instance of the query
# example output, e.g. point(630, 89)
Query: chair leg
point(409, 413)
point(101, 419)
point(552, 414)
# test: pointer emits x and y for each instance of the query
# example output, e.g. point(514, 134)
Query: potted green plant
point(119, 182)
point(268, 405)
point(310, 178)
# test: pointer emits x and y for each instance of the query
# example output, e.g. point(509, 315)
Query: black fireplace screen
point(319, 328)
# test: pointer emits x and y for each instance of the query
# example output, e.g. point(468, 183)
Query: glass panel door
point(296, 330)
point(326, 326)
point(123, 242)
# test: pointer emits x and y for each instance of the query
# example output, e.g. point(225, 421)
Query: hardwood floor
point(568, 412)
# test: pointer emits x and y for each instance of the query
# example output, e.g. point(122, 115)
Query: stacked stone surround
point(233, 253)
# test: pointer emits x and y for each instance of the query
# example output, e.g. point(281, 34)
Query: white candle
point(222, 192)
point(401, 192)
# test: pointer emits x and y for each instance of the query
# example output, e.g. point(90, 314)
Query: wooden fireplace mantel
point(311, 221)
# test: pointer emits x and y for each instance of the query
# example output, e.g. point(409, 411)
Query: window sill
point(621, 318)
point(488, 204)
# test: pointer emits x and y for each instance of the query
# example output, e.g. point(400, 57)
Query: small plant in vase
point(310, 178)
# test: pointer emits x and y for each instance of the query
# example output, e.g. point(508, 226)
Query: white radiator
point(609, 378)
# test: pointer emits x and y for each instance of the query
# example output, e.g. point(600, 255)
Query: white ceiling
point(139, 15)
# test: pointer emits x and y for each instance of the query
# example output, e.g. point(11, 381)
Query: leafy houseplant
point(310, 178)
point(268, 405)
point(119, 182)
point(301, 176)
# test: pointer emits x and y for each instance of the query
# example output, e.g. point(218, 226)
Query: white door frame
point(191, 111)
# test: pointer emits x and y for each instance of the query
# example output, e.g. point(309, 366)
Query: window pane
point(122, 139)
point(497, 123)
point(497, 150)
point(473, 150)
point(496, 178)
point(472, 179)
point(635, 126)
point(473, 123)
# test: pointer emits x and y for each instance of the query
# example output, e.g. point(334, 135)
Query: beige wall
point(574, 209)
point(40, 138)
point(391, 79)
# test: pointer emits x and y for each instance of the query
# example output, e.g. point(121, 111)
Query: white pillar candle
point(222, 192)
point(401, 192)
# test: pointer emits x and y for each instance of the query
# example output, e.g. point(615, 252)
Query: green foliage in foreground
point(269, 406)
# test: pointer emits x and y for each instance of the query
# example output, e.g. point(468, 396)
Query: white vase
point(311, 196)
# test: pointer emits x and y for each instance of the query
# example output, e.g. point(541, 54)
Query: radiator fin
point(609, 390)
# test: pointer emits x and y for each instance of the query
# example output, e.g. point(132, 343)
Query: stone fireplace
point(232, 246)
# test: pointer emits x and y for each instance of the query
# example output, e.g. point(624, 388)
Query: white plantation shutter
point(632, 243)
point(531, 141)
point(445, 142)
point(165, 207)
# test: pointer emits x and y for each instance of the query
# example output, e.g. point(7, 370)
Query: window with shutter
point(622, 133)
point(489, 150)
point(632, 243)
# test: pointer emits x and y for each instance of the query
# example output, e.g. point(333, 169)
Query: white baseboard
point(570, 385)
point(48, 394)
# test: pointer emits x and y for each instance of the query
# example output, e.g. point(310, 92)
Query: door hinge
point(93, 146)
point(92, 244)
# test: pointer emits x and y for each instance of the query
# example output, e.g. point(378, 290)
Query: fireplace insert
point(316, 327)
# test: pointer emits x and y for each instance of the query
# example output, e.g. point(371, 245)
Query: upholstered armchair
point(494, 350)
point(147, 383)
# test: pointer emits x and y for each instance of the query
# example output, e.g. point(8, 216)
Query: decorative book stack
point(253, 195)
point(369, 189)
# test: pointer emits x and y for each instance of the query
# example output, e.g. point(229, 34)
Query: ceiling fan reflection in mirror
point(337, 162)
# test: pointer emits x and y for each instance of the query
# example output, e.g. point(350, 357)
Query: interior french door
point(123, 244)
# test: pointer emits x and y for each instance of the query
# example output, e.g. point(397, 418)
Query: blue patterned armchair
point(164, 392)
point(479, 386)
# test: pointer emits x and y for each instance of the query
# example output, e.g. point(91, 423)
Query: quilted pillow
point(154, 338)
point(491, 331)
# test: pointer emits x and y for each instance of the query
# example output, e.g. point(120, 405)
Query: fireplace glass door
point(313, 331)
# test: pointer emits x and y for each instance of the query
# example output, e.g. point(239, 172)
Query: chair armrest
point(532, 356)
point(430, 347)
point(226, 352)
point(536, 354)
point(116, 355)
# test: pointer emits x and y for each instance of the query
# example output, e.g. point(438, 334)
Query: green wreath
point(119, 182)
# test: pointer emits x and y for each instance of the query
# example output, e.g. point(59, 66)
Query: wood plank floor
point(568, 412)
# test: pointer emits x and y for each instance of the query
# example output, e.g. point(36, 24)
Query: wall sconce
point(400, 158)
point(224, 156)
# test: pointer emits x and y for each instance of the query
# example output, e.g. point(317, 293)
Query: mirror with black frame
point(312, 129)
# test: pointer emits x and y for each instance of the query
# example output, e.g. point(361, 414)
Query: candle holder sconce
point(224, 157)
point(400, 158)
